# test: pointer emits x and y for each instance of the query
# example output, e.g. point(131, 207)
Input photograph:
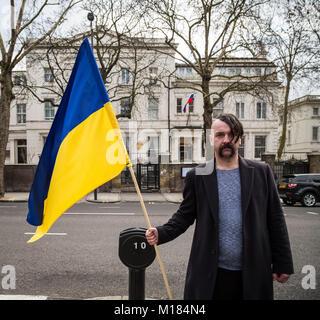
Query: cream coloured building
point(158, 125)
point(303, 129)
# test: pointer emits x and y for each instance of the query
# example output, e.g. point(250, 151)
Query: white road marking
point(315, 213)
point(21, 297)
point(50, 233)
point(103, 213)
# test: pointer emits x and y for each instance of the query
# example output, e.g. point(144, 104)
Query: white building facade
point(158, 126)
point(303, 128)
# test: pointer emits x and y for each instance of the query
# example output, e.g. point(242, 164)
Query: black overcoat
point(266, 247)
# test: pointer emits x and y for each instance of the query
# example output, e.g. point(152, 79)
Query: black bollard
point(136, 253)
point(137, 284)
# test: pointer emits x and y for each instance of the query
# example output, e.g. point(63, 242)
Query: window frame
point(154, 110)
point(125, 76)
point(48, 75)
point(179, 105)
point(124, 105)
point(262, 110)
point(21, 114)
point(21, 147)
point(185, 147)
point(259, 147)
point(50, 118)
point(315, 134)
point(240, 110)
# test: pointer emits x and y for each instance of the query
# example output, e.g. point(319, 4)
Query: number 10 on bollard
point(137, 255)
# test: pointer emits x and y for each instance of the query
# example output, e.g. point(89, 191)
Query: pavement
point(106, 197)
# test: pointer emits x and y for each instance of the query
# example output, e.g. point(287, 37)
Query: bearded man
point(240, 243)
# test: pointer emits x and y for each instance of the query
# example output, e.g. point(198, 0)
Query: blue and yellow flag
point(83, 150)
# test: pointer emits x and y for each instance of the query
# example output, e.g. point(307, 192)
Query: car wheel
point(309, 199)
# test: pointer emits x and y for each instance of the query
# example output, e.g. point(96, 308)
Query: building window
point(153, 74)
point(125, 76)
point(242, 147)
point(315, 133)
point(19, 80)
point(315, 111)
point(125, 106)
point(185, 149)
point(153, 109)
point(240, 110)
point(258, 71)
point(16, 80)
point(289, 136)
point(259, 146)
point(48, 75)
point(185, 71)
point(179, 105)
point(48, 110)
point(217, 109)
point(153, 150)
point(261, 110)
point(21, 113)
point(22, 151)
point(238, 71)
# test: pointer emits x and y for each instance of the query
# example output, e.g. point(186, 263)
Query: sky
point(300, 88)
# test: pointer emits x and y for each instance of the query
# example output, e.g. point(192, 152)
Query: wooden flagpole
point(149, 226)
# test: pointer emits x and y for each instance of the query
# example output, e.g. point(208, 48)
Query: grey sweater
point(230, 219)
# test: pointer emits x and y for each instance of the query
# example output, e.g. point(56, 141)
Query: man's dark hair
point(234, 124)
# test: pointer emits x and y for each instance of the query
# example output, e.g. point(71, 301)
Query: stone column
point(314, 162)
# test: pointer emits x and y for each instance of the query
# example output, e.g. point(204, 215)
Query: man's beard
point(227, 156)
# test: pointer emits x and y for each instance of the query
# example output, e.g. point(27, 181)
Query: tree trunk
point(207, 113)
point(5, 101)
point(283, 137)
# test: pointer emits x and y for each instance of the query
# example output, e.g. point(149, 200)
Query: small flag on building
point(188, 102)
point(83, 150)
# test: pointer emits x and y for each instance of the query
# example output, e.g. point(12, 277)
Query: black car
point(304, 188)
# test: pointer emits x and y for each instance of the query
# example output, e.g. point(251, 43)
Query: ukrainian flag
point(83, 150)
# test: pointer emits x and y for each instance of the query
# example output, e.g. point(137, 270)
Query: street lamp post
point(90, 17)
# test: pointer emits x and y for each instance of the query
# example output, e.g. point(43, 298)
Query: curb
point(103, 201)
point(13, 200)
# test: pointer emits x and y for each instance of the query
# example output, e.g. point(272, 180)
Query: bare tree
point(117, 45)
point(310, 10)
point(120, 47)
point(292, 45)
point(206, 31)
point(31, 22)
